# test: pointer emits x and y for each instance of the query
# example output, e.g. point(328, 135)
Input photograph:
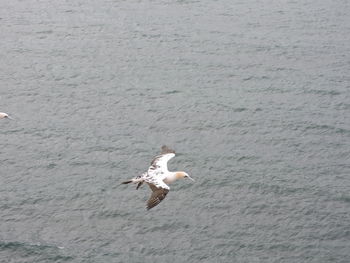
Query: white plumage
point(4, 115)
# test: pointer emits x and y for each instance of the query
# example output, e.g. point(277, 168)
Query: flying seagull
point(4, 115)
point(158, 177)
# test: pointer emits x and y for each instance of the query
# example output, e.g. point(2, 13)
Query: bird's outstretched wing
point(160, 162)
point(166, 149)
point(157, 196)
point(155, 175)
point(159, 191)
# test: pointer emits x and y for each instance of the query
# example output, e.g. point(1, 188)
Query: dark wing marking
point(166, 149)
point(152, 186)
point(156, 197)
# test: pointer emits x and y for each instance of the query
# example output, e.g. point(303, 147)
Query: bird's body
point(4, 115)
point(158, 177)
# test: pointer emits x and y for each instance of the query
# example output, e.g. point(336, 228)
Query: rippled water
point(253, 95)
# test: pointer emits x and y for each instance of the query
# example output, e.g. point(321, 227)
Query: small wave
point(41, 252)
point(31, 246)
point(343, 198)
point(245, 158)
point(325, 127)
point(323, 92)
point(113, 214)
point(172, 92)
point(45, 32)
point(277, 189)
point(239, 109)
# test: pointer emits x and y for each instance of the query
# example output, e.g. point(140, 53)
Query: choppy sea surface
point(254, 96)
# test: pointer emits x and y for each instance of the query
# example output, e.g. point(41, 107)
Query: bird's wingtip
point(166, 149)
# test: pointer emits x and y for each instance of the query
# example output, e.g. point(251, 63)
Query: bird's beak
point(10, 118)
point(191, 178)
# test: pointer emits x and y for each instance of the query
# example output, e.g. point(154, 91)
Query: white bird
point(4, 115)
point(158, 177)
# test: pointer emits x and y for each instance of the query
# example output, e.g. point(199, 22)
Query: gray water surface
point(254, 96)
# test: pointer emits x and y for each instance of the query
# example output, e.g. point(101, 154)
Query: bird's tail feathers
point(127, 182)
point(134, 180)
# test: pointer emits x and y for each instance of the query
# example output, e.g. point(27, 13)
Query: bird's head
point(180, 175)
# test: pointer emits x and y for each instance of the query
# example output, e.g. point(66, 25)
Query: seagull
point(4, 115)
point(158, 177)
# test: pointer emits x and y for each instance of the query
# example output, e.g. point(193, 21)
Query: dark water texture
point(253, 95)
